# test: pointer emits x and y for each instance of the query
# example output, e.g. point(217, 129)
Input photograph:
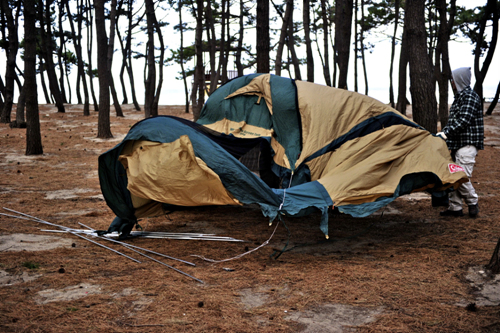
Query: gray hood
point(461, 77)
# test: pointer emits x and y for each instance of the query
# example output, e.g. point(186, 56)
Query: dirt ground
point(402, 269)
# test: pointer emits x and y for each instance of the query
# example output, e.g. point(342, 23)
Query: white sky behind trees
point(377, 61)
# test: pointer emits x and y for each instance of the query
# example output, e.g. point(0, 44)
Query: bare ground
point(403, 269)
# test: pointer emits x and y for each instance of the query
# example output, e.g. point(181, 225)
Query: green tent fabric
point(329, 147)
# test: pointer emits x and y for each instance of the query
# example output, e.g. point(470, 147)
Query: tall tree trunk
point(81, 69)
point(494, 101)
point(326, 33)
point(116, 102)
point(181, 57)
point(112, 29)
point(283, 35)
point(422, 85)
point(124, 56)
point(160, 67)
point(77, 41)
point(291, 48)
point(362, 45)
point(60, 56)
point(491, 11)
point(318, 49)
point(150, 82)
point(222, 48)
point(46, 37)
point(393, 52)
point(402, 74)
point(263, 40)
point(261, 48)
point(442, 62)
point(198, 92)
point(356, 40)
point(21, 104)
point(10, 72)
point(2, 90)
point(227, 48)
point(90, 38)
point(343, 22)
point(33, 136)
point(122, 71)
point(306, 17)
point(42, 80)
point(103, 124)
point(66, 76)
point(128, 48)
point(212, 44)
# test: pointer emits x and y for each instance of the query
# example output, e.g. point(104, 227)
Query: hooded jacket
point(465, 124)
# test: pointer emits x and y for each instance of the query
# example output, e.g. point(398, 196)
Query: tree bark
point(46, 37)
point(261, 53)
point(393, 52)
point(103, 123)
point(1, 93)
point(212, 45)
point(77, 41)
point(181, 57)
point(362, 44)
point(128, 48)
point(326, 33)
point(283, 34)
point(156, 99)
point(150, 82)
point(60, 57)
point(10, 72)
point(442, 61)
point(263, 40)
point(403, 65)
point(90, 38)
point(123, 66)
point(306, 16)
point(222, 48)
point(21, 105)
point(291, 48)
point(491, 11)
point(494, 101)
point(343, 22)
point(33, 136)
point(422, 82)
point(198, 92)
point(356, 42)
point(112, 29)
point(42, 80)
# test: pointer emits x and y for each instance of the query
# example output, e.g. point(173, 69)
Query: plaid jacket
point(465, 123)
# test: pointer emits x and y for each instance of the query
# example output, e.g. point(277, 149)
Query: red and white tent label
point(455, 168)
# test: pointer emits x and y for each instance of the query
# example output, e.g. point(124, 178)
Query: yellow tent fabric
point(328, 113)
point(170, 172)
point(372, 166)
point(364, 168)
point(326, 146)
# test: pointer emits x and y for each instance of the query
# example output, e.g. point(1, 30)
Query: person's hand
point(442, 135)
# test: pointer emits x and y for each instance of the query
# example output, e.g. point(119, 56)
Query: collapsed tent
point(291, 147)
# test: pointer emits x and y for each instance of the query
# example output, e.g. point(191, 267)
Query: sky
point(377, 65)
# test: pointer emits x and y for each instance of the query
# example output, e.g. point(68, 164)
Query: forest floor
point(402, 269)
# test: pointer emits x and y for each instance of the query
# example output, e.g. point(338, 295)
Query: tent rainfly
point(291, 147)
